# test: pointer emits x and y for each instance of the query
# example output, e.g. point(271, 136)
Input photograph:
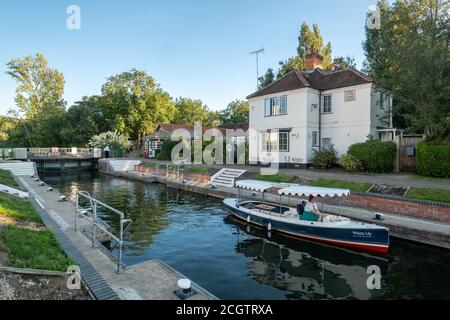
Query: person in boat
point(311, 212)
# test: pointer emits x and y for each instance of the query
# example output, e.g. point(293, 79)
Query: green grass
point(352, 186)
point(150, 164)
point(7, 179)
point(197, 169)
point(33, 249)
point(428, 194)
point(281, 178)
point(19, 210)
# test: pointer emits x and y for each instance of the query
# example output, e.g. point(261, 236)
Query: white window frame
point(327, 105)
point(315, 139)
point(274, 107)
point(324, 145)
point(286, 149)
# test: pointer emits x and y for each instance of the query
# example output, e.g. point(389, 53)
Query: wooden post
point(397, 154)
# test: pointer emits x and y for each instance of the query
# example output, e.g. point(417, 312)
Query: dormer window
point(327, 103)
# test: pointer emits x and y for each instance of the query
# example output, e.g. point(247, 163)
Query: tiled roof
point(318, 79)
point(165, 131)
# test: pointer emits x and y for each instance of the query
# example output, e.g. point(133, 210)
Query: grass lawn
point(428, 194)
point(281, 178)
point(33, 249)
point(150, 164)
point(352, 186)
point(26, 241)
point(19, 210)
point(7, 179)
point(197, 169)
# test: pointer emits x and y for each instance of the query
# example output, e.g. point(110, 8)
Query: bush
point(324, 159)
point(351, 164)
point(433, 159)
point(166, 150)
point(375, 155)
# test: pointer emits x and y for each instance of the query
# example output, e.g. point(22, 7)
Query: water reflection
point(315, 272)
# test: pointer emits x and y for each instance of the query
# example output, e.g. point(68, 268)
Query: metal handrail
point(99, 224)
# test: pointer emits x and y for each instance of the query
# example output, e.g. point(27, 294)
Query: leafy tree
point(236, 112)
point(115, 141)
point(267, 79)
point(189, 111)
point(135, 104)
point(342, 63)
point(307, 40)
point(82, 121)
point(39, 87)
point(409, 55)
point(7, 124)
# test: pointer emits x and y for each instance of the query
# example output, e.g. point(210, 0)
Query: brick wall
point(413, 209)
point(197, 177)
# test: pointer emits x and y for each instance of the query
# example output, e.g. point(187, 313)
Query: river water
point(192, 233)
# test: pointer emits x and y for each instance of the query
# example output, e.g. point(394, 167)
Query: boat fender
point(269, 234)
point(269, 227)
point(249, 219)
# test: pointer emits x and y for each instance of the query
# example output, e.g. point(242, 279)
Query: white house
point(307, 111)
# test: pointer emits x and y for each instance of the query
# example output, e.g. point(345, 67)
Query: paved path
point(403, 180)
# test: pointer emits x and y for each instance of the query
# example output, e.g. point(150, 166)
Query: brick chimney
point(313, 60)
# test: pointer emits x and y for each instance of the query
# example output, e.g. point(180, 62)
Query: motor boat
point(281, 218)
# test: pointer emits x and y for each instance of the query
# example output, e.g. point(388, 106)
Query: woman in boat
point(311, 213)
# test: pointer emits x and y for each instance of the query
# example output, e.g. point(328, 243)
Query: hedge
point(375, 155)
point(433, 158)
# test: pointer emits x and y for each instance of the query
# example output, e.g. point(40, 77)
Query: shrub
point(166, 150)
point(375, 155)
point(351, 163)
point(325, 159)
point(433, 159)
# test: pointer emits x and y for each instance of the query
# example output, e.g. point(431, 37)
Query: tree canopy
point(236, 112)
point(410, 56)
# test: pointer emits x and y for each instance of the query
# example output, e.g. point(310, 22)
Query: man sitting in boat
point(311, 213)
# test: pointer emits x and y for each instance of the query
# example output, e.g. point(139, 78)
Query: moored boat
point(283, 219)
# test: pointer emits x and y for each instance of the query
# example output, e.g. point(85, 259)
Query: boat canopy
point(315, 191)
point(255, 185)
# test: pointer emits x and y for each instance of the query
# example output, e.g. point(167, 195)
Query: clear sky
point(193, 48)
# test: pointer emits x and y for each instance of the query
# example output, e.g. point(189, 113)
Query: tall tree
point(342, 63)
point(410, 55)
point(135, 104)
point(39, 87)
point(82, 121)
point(236, 112)
point(307, 40)
point(190, 111)
point(267, 79)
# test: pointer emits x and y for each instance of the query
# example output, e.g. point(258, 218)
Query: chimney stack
point(313, 60)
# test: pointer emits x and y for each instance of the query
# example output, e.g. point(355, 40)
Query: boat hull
point(357, 235)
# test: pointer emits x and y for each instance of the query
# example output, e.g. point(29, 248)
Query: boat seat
point(291, 214)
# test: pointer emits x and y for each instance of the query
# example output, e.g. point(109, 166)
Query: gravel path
point(15, 286)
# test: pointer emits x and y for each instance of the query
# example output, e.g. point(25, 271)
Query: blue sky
point(193, 48)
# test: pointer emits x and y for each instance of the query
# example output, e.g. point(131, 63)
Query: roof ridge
point(302, 78)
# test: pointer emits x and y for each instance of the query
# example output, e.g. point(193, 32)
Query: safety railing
point(90, 214)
